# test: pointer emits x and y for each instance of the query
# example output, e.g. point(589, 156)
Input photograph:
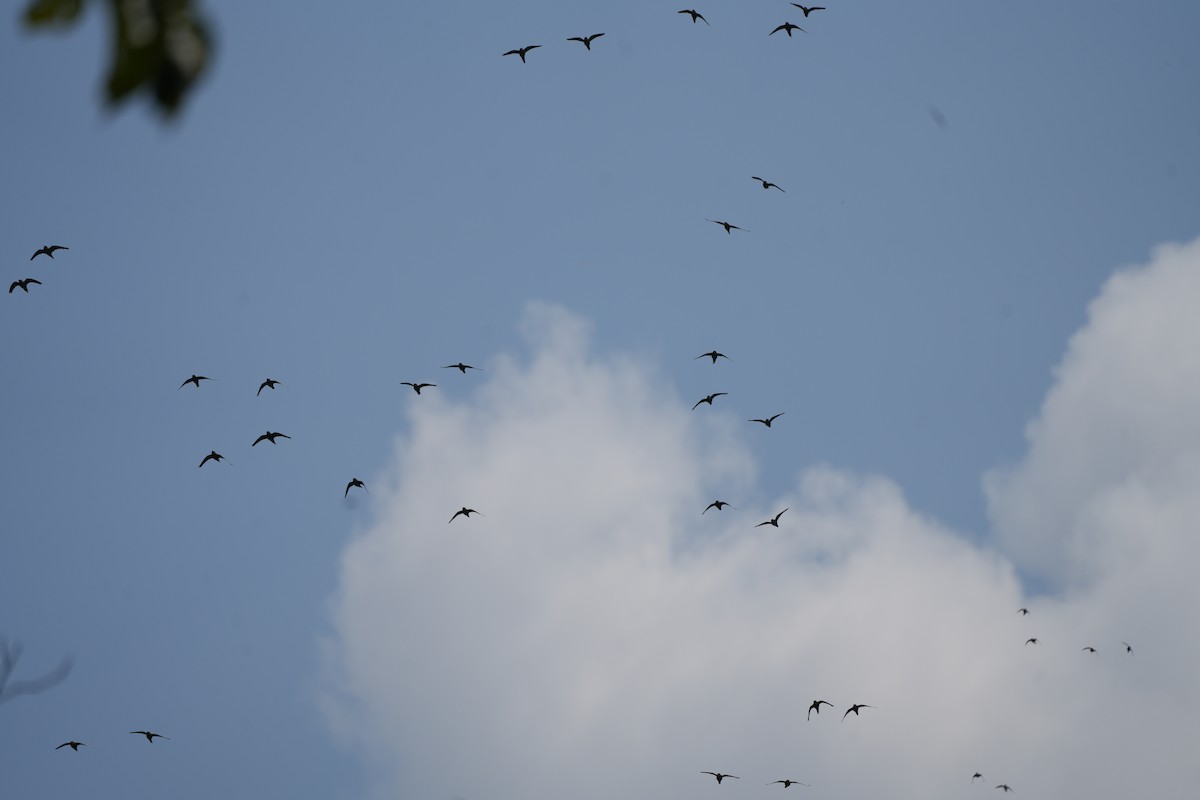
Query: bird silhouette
point(788, 28)
point(461, 367)
point(1128, 649)
point(787, 782)
point(1031, 641)
point(48, 250)
point(695, 16)
point(1024, 612)
point(775, 521)
point(150, 737)
point(1004, 786)
point(269, 383)
point(587, 40)
point(808, 9)
point(73, 745)
point(766, 183)
point(24, 284)
point(1089, 649)
point(717, 504)
point(714, 355)
point(213, 456)
point(270, 436)
point(196, 380)
point(355, 482)
point(728, 226)
point(417, 387)
point(708, 399)
point(855, 709)
point(464, 511)
point(768, 420)
point(816, 704)
point(720, 776)
point(976, 776)
point(521, 51)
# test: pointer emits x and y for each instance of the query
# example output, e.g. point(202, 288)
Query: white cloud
point(593, 634)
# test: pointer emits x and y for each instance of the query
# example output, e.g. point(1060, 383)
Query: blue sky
point(353, 199)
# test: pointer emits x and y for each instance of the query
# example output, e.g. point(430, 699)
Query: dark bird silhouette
point(464, 511)
point(717, 504)
point(417, 387)
point(521, 51)
point(48, 250)
point(976, 776)
point(269, 383)
point(1031, 641)
point(720, 776)
point(1004, 786)
point(1128, 649)
point(816, 705)
point(728, 226)
point(714, 355)
point(270, 436)
point(73, 745)
point(213, 456)
point(766, 183)
point(587, 40)
point(695, 16)
point(196, 380)
point(1024, 612)
point(787, 782)
point(768, 420)
point(1089, 649)
point(808, 10)
point(24, 284)
point(708, 399)
point(788, 27)
point(775, 521)
point(355, 482)
point(150, 737)
point(855, 709)
point(461, 367)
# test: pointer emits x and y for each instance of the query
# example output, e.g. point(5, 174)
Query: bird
point(521, 51)
point(196, 380)
point(1031, 641)
point(150, 737)
point(1090, 649)
point(816, 705)
point(788, 28)
point(766, 183)
point(269, 383)
point(417, 387)
point(1024, 612)
point(1128, 649)
point(976, 776)
point(695, 16)
point(270, 436)
point(48, 250)
point(714, 355)
point(73, 745)
point(807, 9)
point(775, 521)
point(461, 367)
point(24, 284)
point(1004, 786)
point(720, 776)
point(466, 512)
point(787, 782)
point(708, 399)
point(729, 226)
point(855, 709)
point(768, 420)
point(355, 482)
point(587, 40)
point(717, 504)
point(213, 456)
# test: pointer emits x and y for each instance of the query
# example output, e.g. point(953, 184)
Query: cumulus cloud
point(593, 634)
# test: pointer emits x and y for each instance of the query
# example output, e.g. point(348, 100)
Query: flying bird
point(150, 737)
point(808, 10)
point(213, 456)
point(816, 704)
point(696, 15)
point(1024, 612)
point(708, 399)
point(269, 383)
point(196, 380)
point(417, 387)
point(1031, 641)
point(24, 284)
point(788, 27)
point(1089, 649)
point(728, 226)
point(466, 512)
point(48, 250)
point(587, 40)
point(766, 183)
point(717, 504)
point(461, 367)
point(855, 709)
point(270, 436)
point(787, 782)
point(1128, 649)
point(521, 51)
point(73, 745)
point(775, 521)
point(720, 776)
point(714, 355)
point(355, 482)
point(1004, 786)
point(768, 420)
point(976, 776)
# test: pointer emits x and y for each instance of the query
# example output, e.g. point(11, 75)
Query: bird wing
point(259, 439)
point(595, 36)
point(777, 30)
point(61, 746)
point(33, 280)
point(513, 53)
point(15, 284)
point(207, 458)
point(777, 416)
point(759, 525)
point(54, 247)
